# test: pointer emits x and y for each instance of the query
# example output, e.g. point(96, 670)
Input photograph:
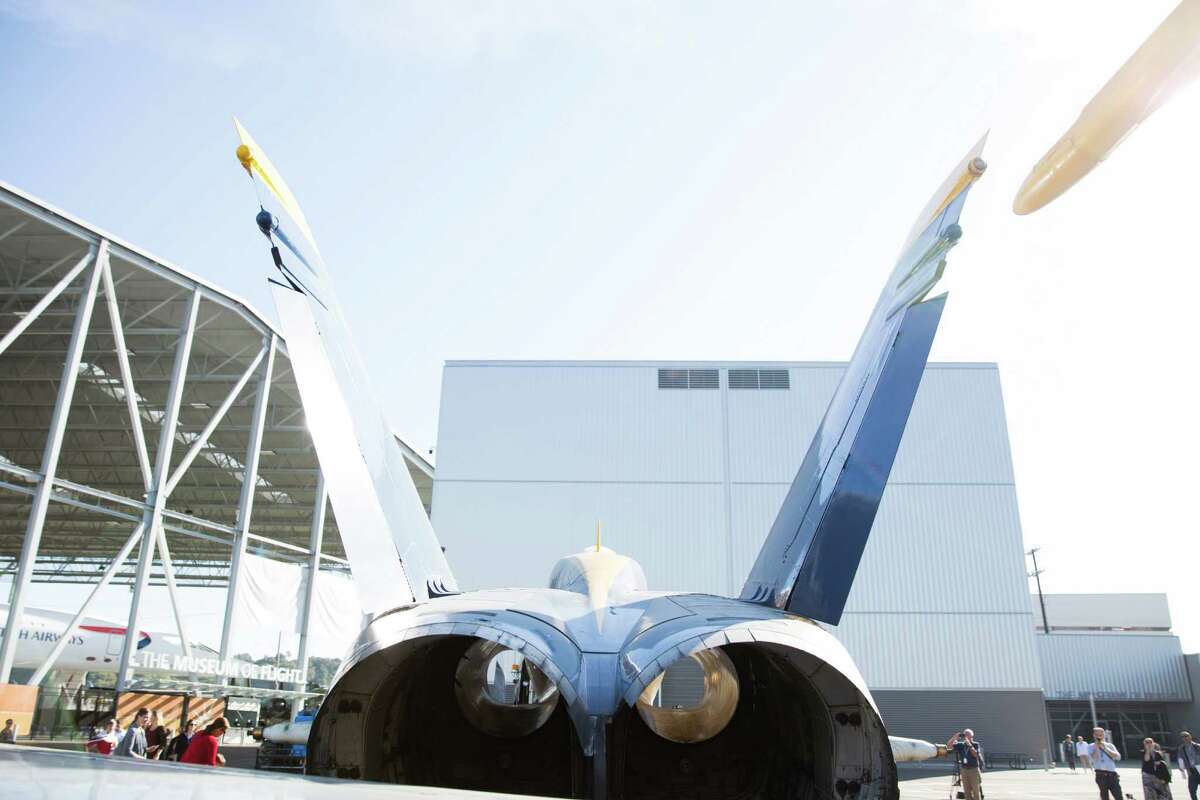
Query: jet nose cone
point(1059, 170)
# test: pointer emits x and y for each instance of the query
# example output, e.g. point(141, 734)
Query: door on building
point(1127, 723)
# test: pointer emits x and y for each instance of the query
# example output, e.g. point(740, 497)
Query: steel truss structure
point(151, 431)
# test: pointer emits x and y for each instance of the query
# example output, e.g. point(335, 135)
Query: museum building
point(685, 465)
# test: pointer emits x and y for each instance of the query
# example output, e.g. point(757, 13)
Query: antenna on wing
point(597, 536)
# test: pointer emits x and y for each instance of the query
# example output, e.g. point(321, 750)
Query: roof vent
point(689, 379)
point(759, 379)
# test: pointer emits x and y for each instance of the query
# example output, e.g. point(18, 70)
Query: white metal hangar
point(685, 466)
point(150, 427)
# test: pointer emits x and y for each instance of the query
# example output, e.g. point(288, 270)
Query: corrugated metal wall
point(688, 481)
point(1118, 666)
point(1104, 610)
point(1003, 721)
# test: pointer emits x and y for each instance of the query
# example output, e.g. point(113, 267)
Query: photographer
point(1104, 758)
point(969, 755)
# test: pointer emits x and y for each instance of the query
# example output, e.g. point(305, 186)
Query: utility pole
point(1037, 575)
point(278, 649)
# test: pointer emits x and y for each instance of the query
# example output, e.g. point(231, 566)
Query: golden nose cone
point(1059, 170)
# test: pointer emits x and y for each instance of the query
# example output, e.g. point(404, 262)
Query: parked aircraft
point(94, 647)
point(783, 711)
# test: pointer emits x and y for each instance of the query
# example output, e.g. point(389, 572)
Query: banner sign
point(229, 668)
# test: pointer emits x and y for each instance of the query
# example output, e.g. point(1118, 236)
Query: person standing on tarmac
point(1188, 755)
point(203, 748)
point(1104, 757)
point(133, 743)
point(179, 744)
point(1156, 772)
point(1068, 750)
point(969, 755)
point(1081, 752)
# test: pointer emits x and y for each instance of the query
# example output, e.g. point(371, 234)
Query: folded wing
point(393, 552)
point(813, 549)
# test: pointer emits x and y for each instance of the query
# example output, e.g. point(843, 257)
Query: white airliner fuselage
point(94, 647)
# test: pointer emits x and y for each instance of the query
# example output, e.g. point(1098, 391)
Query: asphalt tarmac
point(1033, 784)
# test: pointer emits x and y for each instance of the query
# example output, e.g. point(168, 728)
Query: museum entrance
point(1128, 723)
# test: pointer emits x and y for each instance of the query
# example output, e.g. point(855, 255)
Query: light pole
point(1037, 576)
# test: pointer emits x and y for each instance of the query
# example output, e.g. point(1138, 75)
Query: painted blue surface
point(842, 521)
point(808, 561)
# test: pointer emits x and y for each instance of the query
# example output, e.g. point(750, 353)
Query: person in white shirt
point(1104, 758)
point(1081, 752)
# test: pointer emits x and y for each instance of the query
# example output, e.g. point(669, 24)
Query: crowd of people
point(1155, 759)
point(147, 738)
point(1099, 757)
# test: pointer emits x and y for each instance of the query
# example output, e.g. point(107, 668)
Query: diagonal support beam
point(217, 416)
point(249, 486)
point(164, 553)
point(13, 230)
point(54, 440)
point(40, 673)
point(135, 416)
point(152, 517)
point(52, 295)
point(29, 282)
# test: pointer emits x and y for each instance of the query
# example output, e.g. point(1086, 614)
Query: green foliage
point(320, 670)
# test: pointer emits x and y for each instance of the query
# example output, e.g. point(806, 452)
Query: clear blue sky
point(669, 180)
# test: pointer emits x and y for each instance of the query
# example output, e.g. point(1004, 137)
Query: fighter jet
point(568, 690)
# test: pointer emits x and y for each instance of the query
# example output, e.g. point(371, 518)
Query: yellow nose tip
point(244, 155)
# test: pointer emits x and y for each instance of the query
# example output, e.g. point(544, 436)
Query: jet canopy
point(599, 573)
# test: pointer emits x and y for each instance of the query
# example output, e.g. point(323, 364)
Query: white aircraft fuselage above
point(94, 647)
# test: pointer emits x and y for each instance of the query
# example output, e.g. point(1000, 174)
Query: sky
point(670, 180)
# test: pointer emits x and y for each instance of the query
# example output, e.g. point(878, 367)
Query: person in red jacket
point(203, 747)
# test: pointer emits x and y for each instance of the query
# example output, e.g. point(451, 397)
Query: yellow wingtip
point(256, 162)
point(969, 169)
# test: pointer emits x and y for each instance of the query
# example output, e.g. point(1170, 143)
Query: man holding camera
point(1104, 757)
point(969, 755)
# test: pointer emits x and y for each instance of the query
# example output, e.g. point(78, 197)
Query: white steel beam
point(315, 534)
point(164, 553)
point(152, 518)
point(217, 416)
point(29, 282)
point(40, 673)
point(89, 258)
point(13, 230)
point(135, 416)
point(249, 488)
point(45, 487)
point(33, 476)
point(126, 252)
